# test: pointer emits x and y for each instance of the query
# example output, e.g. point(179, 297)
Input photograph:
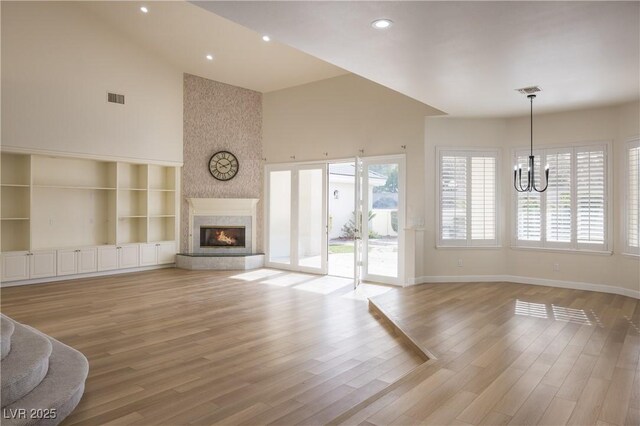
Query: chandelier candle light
point(517, 169)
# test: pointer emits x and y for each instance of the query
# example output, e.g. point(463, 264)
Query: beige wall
point(220, 117)
point(59, 61)
point(339, 117)
point(614, 124)
point(466, 133)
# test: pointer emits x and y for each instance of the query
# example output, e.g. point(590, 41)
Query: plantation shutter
point(483, 199)
point(633, 198)
point(529, 205)
point(590, 197)
point(558, 198)
point(468, 196)
point(453, 197)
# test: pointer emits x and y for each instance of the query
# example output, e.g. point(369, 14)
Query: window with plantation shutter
point(632, 208)
point(572, 212)
point(453, 198)
point(559, 217)
point(467, 198)
point(529, 206)
point(590, 194)
point(483, 198)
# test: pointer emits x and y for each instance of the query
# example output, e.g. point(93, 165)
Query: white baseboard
point(525, 280)
point(89, 275)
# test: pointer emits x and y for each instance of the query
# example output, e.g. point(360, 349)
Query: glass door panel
point(358, 215)
point(383, 219)
point(312, 226)
point(279, 228)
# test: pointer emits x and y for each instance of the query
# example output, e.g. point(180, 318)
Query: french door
point(296, 234)
point(297, 217)
point(380, 211)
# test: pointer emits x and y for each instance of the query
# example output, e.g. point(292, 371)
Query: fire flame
point(224, 238)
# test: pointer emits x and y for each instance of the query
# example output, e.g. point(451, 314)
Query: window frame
point(628, 249)
point(573, 245)
point(468, 243)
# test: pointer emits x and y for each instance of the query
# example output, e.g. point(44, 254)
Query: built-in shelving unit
point(56, 203)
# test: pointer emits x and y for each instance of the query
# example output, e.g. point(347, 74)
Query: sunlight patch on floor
point(570, 315)
point(537, 310)
point(325, 285)
point(286, 280)
point(557, 313)
point(255, 275)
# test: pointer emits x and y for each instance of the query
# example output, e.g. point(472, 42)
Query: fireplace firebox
point(223, 236)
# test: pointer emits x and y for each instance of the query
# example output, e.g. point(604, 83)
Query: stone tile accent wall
point(219, 117)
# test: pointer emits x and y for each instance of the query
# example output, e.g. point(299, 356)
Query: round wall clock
point(223, 165)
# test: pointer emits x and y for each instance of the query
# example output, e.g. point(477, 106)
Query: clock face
point(223, 165)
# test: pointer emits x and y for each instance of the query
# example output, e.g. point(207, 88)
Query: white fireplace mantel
point(224, 207)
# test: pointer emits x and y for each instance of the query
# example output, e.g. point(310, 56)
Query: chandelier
point(517, 169)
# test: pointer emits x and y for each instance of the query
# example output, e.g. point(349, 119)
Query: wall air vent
point(115, 98)
point(529, 90)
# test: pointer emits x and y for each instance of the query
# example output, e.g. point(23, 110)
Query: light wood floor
point(179, 347)
point(512, 354)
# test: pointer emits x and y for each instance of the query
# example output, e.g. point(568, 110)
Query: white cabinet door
point(87, 260)
point(107, 258)
point(43, 264)
point(129, 256)
point(148, 254)
point(166, 253)
point(15, 266)
point(67, 262)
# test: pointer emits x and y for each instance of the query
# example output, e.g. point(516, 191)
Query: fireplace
point(223, 236)
point(224, 226)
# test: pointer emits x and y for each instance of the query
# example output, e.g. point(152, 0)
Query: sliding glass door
point(296, 217)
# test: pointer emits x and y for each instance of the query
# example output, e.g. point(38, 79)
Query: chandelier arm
point(520, 179)
point(515, 185)
point(546, 173)
point(523, 188)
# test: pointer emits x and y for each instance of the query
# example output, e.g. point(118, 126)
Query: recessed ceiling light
point(209, 57)
point(381, 24)
point(144, 9)
point(266, 38)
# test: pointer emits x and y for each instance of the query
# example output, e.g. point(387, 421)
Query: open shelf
point(162, 229)
point(93, 188)
point(132, 203)
point(15, 235)
point(162, 178)
point(63, 218)
point(162, 204)
point(16, 169)
point(72, 173)
point(132, 230)
point(132, 177)
point(15, 202)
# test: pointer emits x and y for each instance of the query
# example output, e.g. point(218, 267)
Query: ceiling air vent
point(115, 98)
point(529, 90)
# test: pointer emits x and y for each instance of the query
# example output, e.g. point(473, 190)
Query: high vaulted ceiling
point(184, 34)
point(466, 58)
